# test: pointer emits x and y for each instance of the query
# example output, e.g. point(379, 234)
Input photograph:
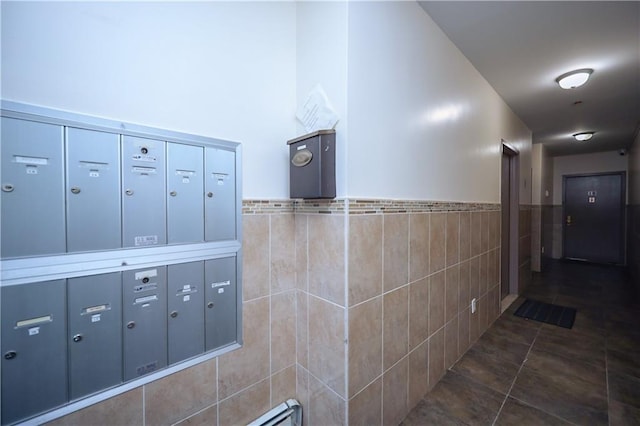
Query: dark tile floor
point(523, 372)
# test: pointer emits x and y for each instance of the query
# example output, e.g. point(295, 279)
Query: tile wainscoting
point(355, 307)
point(527, 212)
point(384, 295)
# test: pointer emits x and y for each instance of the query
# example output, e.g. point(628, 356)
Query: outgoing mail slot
point(143, 192)
point(34, 354)
point(185, 310)
point(95, 333)
point(32, 217)
point(144, 322)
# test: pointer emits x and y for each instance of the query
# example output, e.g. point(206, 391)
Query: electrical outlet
point(474, 303)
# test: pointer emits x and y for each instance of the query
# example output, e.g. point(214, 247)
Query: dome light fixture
point(574, 79)
point(583, 136)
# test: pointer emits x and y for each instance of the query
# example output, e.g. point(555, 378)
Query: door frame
point(510, 221)
point(623, 206)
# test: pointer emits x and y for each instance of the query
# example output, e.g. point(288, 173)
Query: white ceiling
point(520, 47)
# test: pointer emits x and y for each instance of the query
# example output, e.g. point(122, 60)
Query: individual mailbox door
point(220, 194)
point(221, 302)
point(145, 322)
point(143, 196)
point(185, 185)
point(34, 361)
point(95, 333)
point(93, 190)
point(186, 310)
point(33, 221)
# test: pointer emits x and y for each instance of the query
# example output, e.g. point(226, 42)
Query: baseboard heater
point(288, 413)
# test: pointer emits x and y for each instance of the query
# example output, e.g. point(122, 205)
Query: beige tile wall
point(357, 316)
point(546, 221)
point(556, 231)
point(536, 238)
point(525, 247)
point(406, 331)
point(321, 323)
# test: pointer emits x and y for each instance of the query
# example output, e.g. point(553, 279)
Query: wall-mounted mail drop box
point(312, 168)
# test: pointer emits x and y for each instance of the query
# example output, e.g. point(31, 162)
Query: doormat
point(547, 313)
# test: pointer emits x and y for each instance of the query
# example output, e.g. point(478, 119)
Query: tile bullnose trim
point(358, 206)
point(387, 206)
point(266, 206)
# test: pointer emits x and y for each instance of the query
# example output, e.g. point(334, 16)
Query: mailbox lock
point(173, 193)
point(210, 194)
point(129, 192)
point(131, 324)
point(145, 280)
point(174, 314)
point(77, 338)
point(10, 355)
point(144, 150)
point(7, 187)
point(210, 305)
point(75, 190)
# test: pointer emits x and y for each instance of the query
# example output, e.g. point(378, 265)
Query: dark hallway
point(523, 372)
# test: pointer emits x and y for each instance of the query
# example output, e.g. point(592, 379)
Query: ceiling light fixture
point(574, 79)
point(583, 136)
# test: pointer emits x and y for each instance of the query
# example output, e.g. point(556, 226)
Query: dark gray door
point(593, 217)
point(509, 222)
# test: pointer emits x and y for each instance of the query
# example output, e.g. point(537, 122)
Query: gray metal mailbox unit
point(95, 332)
point(145, 335)
point(220, 292)
point(185, 186)
point(93, 190)
point(185, 305)
point(220, 184)
point(120, 258)
point(143, 199)
point(33, 220)
point(34, 361)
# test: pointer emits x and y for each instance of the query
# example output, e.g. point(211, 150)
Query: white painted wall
point(600, 162)
point(423, 123)
point(321, 58)
point(417, 120)
point(219, 69)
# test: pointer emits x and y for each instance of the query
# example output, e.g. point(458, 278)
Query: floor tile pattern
point(522, 372)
